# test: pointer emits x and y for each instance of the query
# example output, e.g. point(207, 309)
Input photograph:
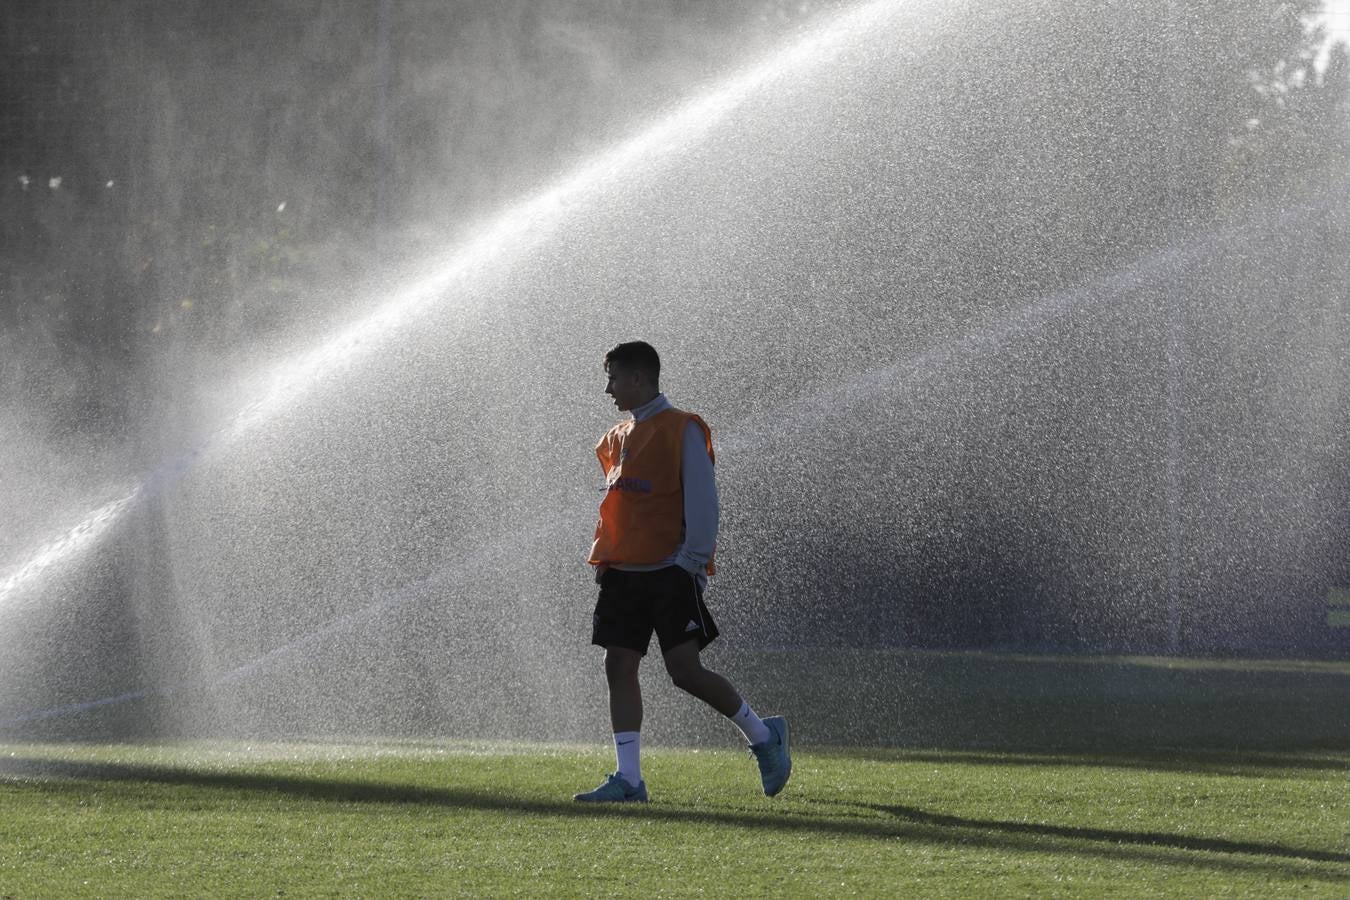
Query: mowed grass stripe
point(386, 820)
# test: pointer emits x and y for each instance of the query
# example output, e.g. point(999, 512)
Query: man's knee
point(685, 675)
point(621, 664)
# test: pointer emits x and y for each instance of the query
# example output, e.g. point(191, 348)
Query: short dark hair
point(638, 355)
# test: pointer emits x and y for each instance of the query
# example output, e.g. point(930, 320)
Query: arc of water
point(528, 220)
point(84, 534)
point(1144, 271)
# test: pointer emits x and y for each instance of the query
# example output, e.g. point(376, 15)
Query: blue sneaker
point(775, 764)
point(616, 789)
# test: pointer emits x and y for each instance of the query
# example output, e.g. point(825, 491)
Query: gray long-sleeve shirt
point(700, 499)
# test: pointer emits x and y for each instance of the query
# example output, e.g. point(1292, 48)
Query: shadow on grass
point(1110, 836)
point(1200, 762)
point(847, 819)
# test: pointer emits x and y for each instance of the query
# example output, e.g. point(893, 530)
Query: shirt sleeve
point(700, 502)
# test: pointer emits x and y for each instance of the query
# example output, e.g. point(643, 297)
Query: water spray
point(520, 226)
point(861, 388)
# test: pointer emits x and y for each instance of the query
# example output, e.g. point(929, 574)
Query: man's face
point(627, 386)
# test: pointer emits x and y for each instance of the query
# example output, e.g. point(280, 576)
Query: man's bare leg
point(769, 744)
point(625, 693)
point(625, 713)
point(687, 672)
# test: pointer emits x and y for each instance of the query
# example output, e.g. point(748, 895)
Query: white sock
point(751, 725)
point(626, 747)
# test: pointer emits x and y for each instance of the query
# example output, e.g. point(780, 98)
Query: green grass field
point(450, 818)
point(967, 774)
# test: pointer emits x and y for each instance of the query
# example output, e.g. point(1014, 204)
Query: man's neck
point(655, 404)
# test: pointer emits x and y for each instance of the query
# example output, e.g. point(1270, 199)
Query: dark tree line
point(179, 130)
point(220, 164)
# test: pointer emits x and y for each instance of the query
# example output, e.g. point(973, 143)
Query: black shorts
point(634, 604)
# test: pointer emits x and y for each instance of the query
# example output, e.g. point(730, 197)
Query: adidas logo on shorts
point(692, 626)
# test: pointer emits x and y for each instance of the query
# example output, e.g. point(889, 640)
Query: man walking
point(652, 554)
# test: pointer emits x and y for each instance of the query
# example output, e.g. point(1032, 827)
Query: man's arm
point(700, 503)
